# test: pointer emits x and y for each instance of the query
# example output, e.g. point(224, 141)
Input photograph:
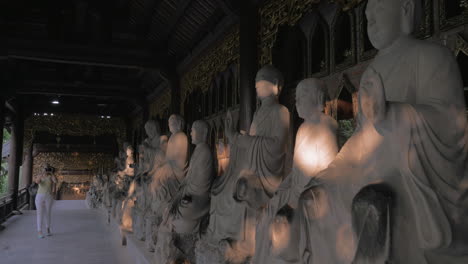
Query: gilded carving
point(286, 12)
point(216, 60)
point(461, 45)
point(72, 161)
point(161, 104)
point(448, 23)
point(74, 125)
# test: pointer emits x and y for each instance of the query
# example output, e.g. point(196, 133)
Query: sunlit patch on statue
point(345, 243)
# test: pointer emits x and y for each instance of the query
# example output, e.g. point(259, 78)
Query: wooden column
point(248, 62)
point(16, 154)
point(27, 167)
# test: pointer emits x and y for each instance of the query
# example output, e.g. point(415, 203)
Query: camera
point(49, 169)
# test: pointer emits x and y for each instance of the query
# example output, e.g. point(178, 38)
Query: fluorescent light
point(55, 102)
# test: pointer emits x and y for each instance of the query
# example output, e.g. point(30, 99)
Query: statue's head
point(199, 132)
point(310, 97)
point(152, 128)
point(390, 19)
point(268, 81)
point(129, 151)
point(176, 123)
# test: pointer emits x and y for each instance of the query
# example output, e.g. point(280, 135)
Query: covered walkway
point(80, 235)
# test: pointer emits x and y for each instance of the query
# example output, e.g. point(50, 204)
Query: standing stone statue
point(410, 142)
point(278, 237)
point(256, 169)
point(191, 204)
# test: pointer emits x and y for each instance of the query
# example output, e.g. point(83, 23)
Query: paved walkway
point(80, 236)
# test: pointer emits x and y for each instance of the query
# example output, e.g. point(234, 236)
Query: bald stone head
point(176, 123)
point(152, 129)
point(199, 133)
point(388, 20)
point(268, 81)
point(310, 97)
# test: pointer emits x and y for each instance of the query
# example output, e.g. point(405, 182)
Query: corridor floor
point(80, 235)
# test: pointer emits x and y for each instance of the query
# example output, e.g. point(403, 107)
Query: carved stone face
point(265, 89)
point(384, 22)
point(194, 136)
point(174, 125)
point(129, 152)
point(150, 129)
point(309, 98)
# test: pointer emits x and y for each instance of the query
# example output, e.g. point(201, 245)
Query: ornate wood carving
point(74, 125)
point(449, 23)
point(461, 45)
point(286, 12)
point(66, 162)
point(162, 103)
point(216, 60)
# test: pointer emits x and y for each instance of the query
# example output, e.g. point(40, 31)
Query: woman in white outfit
point(44, 201)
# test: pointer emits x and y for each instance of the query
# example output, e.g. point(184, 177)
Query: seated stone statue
point(151, 158)
point(191, 204)
point(121, 180)
point(129, 187)
point(411, 139)
point(139, 209)
point(257, 158)
point(316, 146)
point(169, 174)
point(167, 179)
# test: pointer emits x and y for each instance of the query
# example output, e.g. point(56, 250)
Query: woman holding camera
point(44, 200)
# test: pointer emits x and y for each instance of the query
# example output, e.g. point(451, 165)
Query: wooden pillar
point(16, 155)
point(248, 62)
point(27, 167)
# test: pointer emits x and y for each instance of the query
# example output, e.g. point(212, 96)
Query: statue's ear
point(407, 16)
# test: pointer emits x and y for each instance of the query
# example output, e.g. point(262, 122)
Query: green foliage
point(345, 131)
point(6, 136)
point(4, 167)
point(4, 178)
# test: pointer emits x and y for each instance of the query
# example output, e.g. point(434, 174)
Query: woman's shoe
point(48, 232)
point(40, 235)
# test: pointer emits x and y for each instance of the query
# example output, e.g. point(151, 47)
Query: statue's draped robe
point(128, 203)
point(196, 188)
point(167, 178)
point(262, 155)
point(316, 146)
point(418, 151)
point(153, 159)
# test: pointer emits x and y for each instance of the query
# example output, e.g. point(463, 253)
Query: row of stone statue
point(395, 193)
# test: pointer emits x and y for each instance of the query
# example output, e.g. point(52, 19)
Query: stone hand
point(372, 96)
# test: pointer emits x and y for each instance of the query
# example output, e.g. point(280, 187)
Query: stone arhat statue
point(278, 233)
point(272, 75)
point(255, 170)
point(412, 140)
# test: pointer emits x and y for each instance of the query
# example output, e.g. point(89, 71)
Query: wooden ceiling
point(100, 57)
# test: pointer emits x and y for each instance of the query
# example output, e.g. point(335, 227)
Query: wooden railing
point(6, 204)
